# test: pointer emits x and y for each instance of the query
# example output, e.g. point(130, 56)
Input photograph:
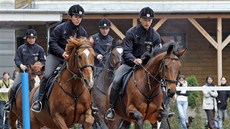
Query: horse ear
point(170, 49)
point(180, 52)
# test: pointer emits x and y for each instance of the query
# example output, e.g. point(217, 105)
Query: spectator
point(209, 102)
point(102, 41)
point(182, 101)
point(222, 103)
point(6, 82)
point(15, 74)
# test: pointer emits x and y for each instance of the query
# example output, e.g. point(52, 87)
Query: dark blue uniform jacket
point(60, 34)
point(28, 54)
point(138, 40)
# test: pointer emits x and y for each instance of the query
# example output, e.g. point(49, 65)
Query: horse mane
point(165, 47)
point(76, 42)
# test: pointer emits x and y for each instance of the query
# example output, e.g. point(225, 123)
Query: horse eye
point(79, 57)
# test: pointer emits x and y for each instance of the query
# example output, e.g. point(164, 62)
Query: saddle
point(125, 80)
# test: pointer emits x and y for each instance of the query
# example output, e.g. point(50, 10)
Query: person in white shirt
point(182, 101)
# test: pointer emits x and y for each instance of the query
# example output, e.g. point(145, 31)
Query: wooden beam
point(159, 23)
point(219, 49)
point(185, 16)
point(203, 32)
point(226, 42)
point(158, 16)
point(117, 31)
point(134, 21)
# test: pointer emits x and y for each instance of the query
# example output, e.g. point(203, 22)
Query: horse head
point(35, 70)
point(170, 68)
point(81, 60)
point(115, 55)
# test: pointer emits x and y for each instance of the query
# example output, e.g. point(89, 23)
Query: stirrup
point(94, 109)
point(112, 112)
point(7, 107)
point(36, 110)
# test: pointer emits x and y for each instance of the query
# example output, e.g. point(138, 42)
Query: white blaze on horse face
point(120, 50)
point(37, 81)
point(86, 51)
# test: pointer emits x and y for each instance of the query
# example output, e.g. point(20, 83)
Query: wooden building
point(203, 27)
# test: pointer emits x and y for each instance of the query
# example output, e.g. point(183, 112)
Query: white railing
point(193, 88)
point(201, 88)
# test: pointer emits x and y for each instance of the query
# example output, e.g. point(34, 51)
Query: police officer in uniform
point(102, 42)
point(27, 54)
point(139, 40)
point(57, 44)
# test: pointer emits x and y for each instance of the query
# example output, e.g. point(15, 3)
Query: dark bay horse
point(142, 99)
point(69, 101)
point(34, 70)
point(103, 81)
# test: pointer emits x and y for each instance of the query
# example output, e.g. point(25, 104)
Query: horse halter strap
point(164, 78)
point(76, 57)
point(75, 76)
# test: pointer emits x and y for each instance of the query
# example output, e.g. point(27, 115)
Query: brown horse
point(69, 101)
point(16, 114)
point(103, 81)
point(142, 99)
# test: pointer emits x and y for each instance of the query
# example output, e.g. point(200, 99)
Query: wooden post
point(219, 49)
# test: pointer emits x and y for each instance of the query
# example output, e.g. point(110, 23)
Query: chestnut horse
point(16, 114)
point(69, 101)
point(142, 99)
point(103, 81)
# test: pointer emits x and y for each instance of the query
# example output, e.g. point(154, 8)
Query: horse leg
point(123, 124)
point(138, 116)
point(12, 120)
point(89, 119)
point(59, 121)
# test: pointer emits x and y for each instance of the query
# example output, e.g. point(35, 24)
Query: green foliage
point(174, 120)
point(194, 98)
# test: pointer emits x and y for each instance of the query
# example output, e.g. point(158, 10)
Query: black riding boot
point(110, 114)
point(8, 105)
point(37, 105)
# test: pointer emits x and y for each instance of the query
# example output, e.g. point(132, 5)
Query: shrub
point(194, 98)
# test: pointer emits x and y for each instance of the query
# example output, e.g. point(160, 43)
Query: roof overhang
point(17, 17)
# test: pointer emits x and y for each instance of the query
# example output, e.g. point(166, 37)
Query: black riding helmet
point(76, 10)
point(147, 13)
point(31, 33)
point(104, 23)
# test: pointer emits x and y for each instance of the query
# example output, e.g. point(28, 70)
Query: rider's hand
point(138, 61)
point(99, 57)
point(65, 55)
point(23, 67)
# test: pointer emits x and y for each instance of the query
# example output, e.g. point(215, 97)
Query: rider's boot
point(7, 106)
point(37, 105)
point(110, 114)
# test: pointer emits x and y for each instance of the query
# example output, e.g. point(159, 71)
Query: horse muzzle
point(171, 92)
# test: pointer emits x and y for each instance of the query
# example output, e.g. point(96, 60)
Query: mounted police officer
point(57, 44)
point(139, 40)
point(102, 42)
point(27, 54)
